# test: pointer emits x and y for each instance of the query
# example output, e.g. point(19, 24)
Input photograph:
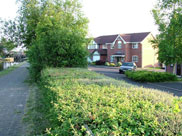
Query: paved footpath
point(13, 95)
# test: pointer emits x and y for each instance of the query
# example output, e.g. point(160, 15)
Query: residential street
point(113, 72)
point(13, 96)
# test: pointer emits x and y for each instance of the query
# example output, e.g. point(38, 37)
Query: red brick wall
point(137, 52)
point(126, 48)
point(129, 52)
point(103, 57)
point(110, 51)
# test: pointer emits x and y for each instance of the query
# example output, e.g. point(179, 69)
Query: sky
point(106, 17)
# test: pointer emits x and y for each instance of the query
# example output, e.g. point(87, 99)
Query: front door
point(178, 69)
point(118, 59)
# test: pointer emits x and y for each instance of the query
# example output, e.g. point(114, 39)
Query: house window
point(119, 45)
point(104, 46)
point(112, 58)
point(134, 58)
point(112, 46)
point(135, 45)
point(94, 46)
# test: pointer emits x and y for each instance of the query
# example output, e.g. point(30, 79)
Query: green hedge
point(73, 98)
point(150, 76)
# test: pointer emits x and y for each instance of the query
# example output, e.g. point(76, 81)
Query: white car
point(127, 66)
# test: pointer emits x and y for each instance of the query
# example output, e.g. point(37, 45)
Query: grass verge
point(69, 101)
point(8, 70)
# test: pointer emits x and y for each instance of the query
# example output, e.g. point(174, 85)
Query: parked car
point(127, 66)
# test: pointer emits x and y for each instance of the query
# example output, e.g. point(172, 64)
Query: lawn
point(75, 101)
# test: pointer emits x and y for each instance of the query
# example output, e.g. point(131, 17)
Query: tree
point(54, 32)
point(168, 16)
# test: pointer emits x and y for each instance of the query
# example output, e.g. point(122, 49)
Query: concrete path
point(170, 87)
point(13, 96)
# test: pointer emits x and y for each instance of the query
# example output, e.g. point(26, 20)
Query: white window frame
point(112, 46)
point(134, 58)
point(119, 45)
point(134, 45)
point(112, 58)
point(93, 46)
point(104, 46)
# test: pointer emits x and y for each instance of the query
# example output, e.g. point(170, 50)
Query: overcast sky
point(107, 16)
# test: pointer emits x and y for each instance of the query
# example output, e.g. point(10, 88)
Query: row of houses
point(131, 47)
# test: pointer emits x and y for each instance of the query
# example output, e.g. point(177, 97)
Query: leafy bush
point(107, 64)
point(119, 64)
point(112, 65)
point(60, 37)
point(73, 98)
point(150, 76)
point(93, 63)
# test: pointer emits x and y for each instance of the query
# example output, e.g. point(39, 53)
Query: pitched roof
point(100, 51)
point(131, 37)
point(105, 39)
point(135, 37)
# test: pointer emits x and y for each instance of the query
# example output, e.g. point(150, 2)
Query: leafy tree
point(168, 16)
point(54, 31)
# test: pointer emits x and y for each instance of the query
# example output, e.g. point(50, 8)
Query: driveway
point(13, 95)
point(113, 72)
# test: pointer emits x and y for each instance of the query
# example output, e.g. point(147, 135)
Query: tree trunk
point(174, 69)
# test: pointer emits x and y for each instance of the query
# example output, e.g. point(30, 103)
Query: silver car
point(127, 66)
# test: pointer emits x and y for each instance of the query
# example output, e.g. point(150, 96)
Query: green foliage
point(55, 34)
point(112, 65)
point(107, 64)
point(150, 76)
point(8, 44)
point(119, 64)
point(73, 98)
point(168, 17)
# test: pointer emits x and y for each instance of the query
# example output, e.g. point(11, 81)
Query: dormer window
point(119, 44)
point(93, 45)
point(104, 46)
point(134, 45)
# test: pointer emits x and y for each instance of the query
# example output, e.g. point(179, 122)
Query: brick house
point(178, 69)
point(133, 47)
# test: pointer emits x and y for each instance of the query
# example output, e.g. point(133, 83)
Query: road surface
point(171, 87)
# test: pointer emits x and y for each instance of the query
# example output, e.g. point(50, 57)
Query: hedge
point(150, 76)
point(74, 98)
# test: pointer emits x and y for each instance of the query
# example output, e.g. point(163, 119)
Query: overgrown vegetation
point(150, 76)
point(168, 17)
point(54, 31)
point(71, 98)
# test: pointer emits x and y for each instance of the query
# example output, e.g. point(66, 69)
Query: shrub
point(93, 63)
point(119, 64)
point(75, 97)
point(112, 65)
point(150, 76)
point(56, 41)
point(107, 64)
